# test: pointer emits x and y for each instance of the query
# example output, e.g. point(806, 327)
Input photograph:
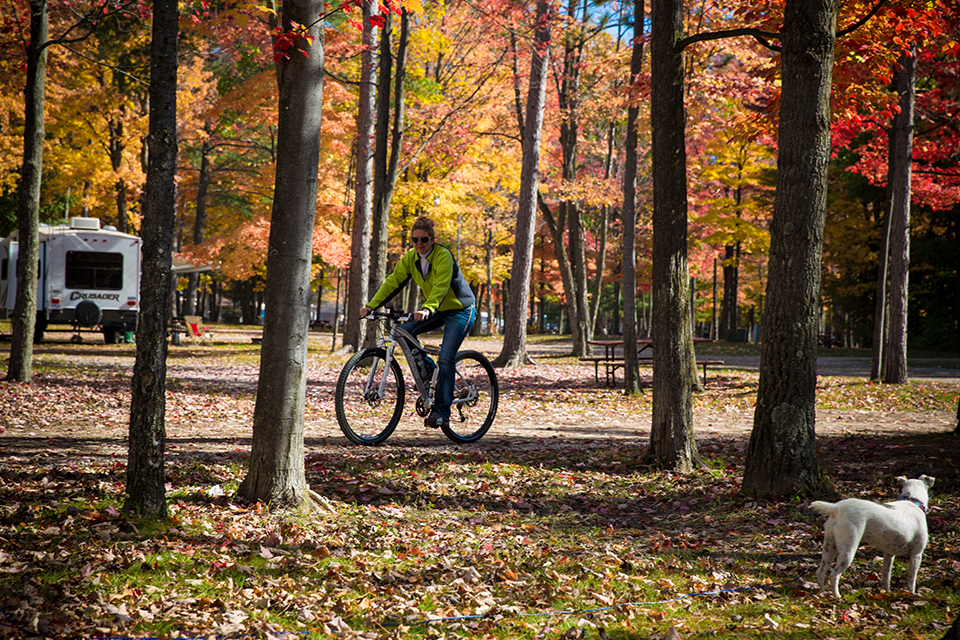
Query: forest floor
point(551, 526)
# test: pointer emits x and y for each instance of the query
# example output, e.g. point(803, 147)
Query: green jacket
point(443, 285)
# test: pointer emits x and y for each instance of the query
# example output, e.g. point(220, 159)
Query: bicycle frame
point(407, 342)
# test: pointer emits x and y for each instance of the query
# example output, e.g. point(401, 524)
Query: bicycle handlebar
point(391, 313)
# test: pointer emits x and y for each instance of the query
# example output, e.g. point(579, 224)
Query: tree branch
point(757, 34)
point(862, 21)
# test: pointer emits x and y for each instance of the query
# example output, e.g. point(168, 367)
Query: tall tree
point(901, 147)
point(514, 350)
point(389, 137)
point(145, 465)
point(353, 331)
point(781, 455)
point(20, 366)
point(276, 475)
point(672, 443)
point(631, 369)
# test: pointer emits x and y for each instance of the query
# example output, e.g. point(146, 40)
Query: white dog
point(895, 528)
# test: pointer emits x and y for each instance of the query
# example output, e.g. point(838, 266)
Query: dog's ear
point(901, 480)
point(928, 480)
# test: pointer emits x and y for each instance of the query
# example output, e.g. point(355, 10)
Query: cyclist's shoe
point(435, 420)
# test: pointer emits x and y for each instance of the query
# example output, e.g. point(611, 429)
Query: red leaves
point(284, 41)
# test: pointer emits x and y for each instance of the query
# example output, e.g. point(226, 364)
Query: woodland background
point(455, 152)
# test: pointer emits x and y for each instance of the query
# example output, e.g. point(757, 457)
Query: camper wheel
point(110, 335)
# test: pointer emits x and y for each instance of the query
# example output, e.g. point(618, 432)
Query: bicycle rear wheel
point(364, 414)
point(477, 381)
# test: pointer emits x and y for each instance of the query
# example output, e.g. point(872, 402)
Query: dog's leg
point(827, 556)
point(887, 569)
point(846, 539)
point(915, 560)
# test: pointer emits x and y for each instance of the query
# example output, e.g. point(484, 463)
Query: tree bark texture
point(672, 443)
point(276, 475)
point(781, 455)
point(147, 434)
point(514, 350)
point(883, 272)
point(389, 136)
point(631, 369)
point(203, 184)
point(20, 366)
point(895, 351)
point(354, 330)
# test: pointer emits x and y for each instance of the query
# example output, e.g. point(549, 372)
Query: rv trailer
point(89, 278)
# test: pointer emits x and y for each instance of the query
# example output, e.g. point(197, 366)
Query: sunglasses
point(416, 239)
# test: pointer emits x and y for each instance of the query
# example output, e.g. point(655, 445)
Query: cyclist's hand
point(365, 311)
point(421, 315)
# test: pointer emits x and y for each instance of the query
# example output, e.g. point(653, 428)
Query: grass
point(509, 538)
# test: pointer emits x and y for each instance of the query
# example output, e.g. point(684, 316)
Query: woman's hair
point(423, 223)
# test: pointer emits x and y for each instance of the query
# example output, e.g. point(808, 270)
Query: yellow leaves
point(413, 6)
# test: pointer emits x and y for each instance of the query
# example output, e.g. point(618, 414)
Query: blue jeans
point(456, 325)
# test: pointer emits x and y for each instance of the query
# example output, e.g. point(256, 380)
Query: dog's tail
point(824, 508)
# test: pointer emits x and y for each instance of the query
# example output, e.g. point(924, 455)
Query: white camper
point(89, 278)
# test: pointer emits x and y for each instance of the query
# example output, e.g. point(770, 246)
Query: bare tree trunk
point(386, 158)
point(116, 161)
point(631, 369)
point(514, 350)
point(203, 183)
point(895, 352)
point(672, 443)
point(276, 475)
point(883, 273)
point(782, 453)
point(20, 366)
point(145, 466)
point(354, 330)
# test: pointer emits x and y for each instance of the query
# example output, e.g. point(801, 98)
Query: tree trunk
point(883, 272)
point(575, 282)
point(782, 454)
point(514, 350)
point(276, 475)
point(147, 434)
point(116, 147)
point(389, 143)
point(895, 351)
point(20, 366)
point(631, 369)
point(672, 443)
point(203, 183)
point(354, 330)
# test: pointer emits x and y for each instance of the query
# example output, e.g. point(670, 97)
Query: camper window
point(94, 270)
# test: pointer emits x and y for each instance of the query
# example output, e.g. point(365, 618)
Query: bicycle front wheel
point(476, 385)
point(366, 414)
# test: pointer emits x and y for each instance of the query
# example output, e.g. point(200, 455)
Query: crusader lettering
point(82, 295)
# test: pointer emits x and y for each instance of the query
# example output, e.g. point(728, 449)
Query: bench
point(612, 364)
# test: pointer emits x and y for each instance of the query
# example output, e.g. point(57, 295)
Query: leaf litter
point(551, 527)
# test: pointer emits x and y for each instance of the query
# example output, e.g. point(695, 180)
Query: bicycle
point(371, 390)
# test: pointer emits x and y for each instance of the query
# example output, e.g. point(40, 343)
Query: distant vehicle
point(89, 278)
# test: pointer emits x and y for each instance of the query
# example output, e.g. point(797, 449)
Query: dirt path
point(100, 434)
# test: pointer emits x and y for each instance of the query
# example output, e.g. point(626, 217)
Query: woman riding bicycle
point(449, 303)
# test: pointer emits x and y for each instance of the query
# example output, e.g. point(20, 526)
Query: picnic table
point(612, 358)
